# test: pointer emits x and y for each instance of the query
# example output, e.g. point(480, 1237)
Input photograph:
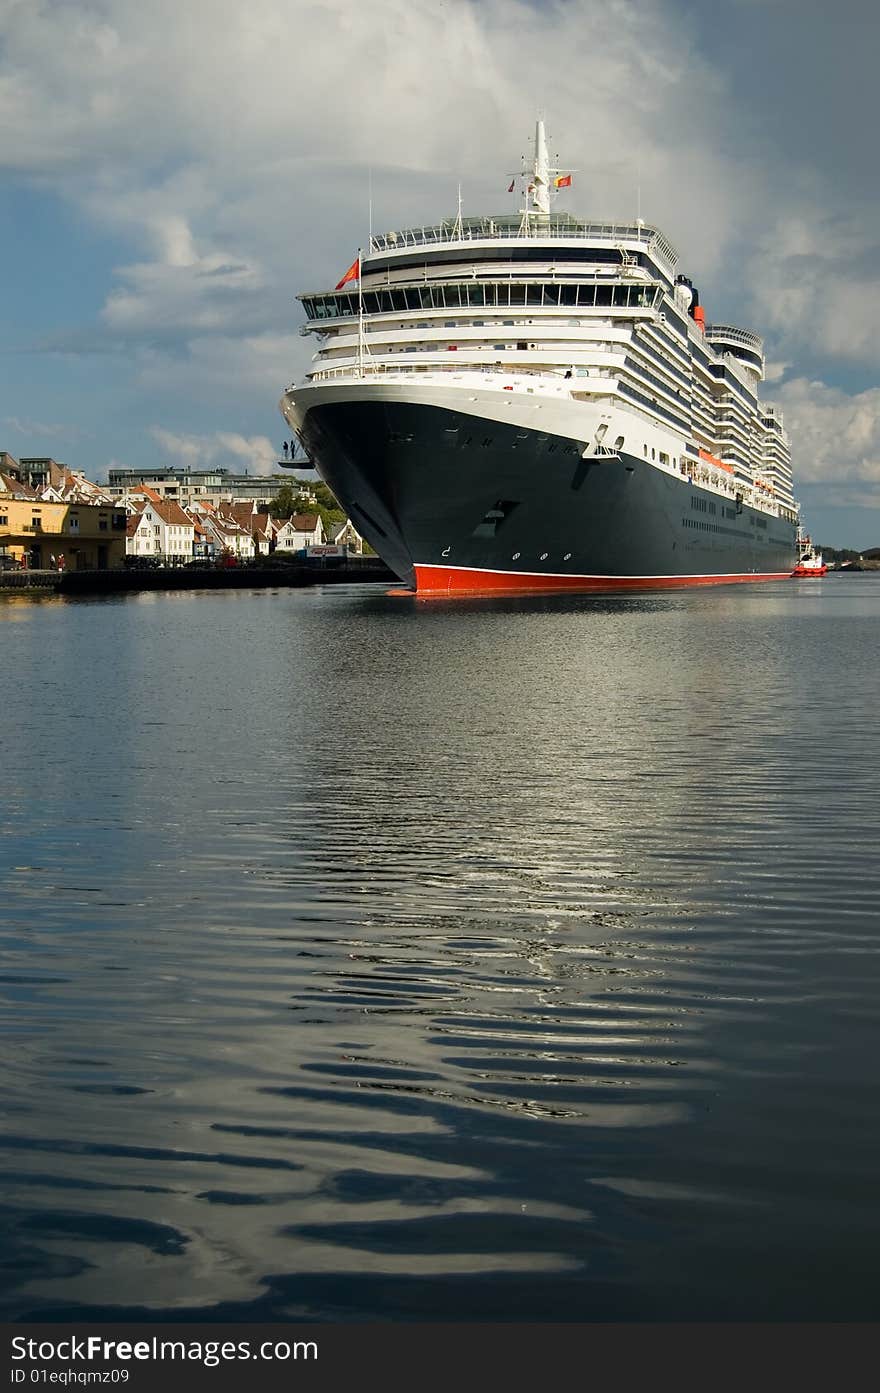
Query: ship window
point(653, 453)
point(522, 345)
point(499, 346)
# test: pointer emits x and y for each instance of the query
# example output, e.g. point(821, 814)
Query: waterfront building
point(160, 528)
point(256, 520)
point(345, 534)
point(225, 534)
point(40, 532)
point(58, 483)
point(302, 530)
point(185, 486)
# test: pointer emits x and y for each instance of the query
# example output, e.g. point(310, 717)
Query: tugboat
point(810, 561)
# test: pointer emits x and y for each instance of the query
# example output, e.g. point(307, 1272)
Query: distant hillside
point(839, 554)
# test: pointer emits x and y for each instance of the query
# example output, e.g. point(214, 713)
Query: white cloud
point(49, 429)
point(774, 372)
point(216, 135)
point(257, 454)
point(835, 441)
point(254, 364)
point(814, 282)
point(185, 298)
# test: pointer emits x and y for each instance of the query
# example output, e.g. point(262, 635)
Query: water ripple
point(506, 961)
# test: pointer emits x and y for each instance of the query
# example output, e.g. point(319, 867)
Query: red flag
point(510, 186)
point(563, 182)
point(352, 274)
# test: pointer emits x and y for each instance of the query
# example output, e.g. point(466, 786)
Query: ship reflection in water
point(509, 960)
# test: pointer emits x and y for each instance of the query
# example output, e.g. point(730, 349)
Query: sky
point(173, 175)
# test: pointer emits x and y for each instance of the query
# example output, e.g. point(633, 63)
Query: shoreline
point(123, 581)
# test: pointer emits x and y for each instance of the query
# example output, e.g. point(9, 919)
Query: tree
point(283, 505)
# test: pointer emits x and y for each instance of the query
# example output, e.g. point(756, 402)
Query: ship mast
point(539, 188)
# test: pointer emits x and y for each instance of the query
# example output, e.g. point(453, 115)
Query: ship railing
point(704, 473)
point(457, 231)
point(735, 335)
point(381, 369)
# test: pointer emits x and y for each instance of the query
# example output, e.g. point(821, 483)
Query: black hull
point(433, 488)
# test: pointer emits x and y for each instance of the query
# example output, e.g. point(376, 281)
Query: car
point(9, 563)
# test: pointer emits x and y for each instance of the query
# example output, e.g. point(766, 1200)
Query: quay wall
point(122, 580)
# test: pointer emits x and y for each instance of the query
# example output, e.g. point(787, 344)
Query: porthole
point(544, 555)
point(567, 556)
point(516, 556)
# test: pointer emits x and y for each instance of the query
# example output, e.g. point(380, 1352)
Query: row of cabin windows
point(520, 346)
point(547, 323)
point(700, 526)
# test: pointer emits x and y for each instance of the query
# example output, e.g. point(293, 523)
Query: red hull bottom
point(803, 574)
point(434, 581)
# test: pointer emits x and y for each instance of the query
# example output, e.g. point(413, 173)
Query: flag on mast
point(352, 274)
point(510, 186)
point(563, 182)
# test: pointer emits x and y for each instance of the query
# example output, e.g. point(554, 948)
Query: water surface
point(365, 959)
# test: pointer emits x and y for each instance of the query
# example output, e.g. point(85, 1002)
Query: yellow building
point(73, 536)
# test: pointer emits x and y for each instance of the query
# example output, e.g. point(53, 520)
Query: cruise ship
point(535, 401)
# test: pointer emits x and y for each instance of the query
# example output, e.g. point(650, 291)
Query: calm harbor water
point(492, 961)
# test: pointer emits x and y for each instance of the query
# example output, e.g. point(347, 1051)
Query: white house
point(225, 535)
point(302, 530)
point(159, 528)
